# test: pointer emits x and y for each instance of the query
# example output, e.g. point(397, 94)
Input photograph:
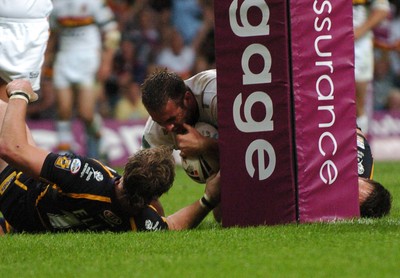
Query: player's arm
point(192, 215)
point(376, 16)
point(194, 144)
point(15, 147)
point(111, 37)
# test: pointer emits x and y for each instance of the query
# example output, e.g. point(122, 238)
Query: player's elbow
point(175, 225)
point(8, 150)
point(171, 224)
point(4, 149)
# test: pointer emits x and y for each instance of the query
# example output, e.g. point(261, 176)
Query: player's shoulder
point(156, 135)
point(203, 81)
point(149, 220)
point(151, 128)
point(207, 74)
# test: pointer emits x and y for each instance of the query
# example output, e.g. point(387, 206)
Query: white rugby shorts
point(364, 59)
point(76, 67)
point(22, 46)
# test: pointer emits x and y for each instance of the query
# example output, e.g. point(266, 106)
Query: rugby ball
point(201, 168)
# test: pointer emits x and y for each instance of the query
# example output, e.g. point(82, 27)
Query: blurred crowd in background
point(386, 85)
point(179, 35)
point(176, 34)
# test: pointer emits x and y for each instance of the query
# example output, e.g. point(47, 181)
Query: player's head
point(160, 86)
point(168, 100)
point(375, 200)
point(148, 174)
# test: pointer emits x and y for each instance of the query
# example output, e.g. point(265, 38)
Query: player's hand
point(104, 72)
point(192, 143)
point(21, 86)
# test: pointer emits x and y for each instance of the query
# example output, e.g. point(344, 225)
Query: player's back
point(204, 86)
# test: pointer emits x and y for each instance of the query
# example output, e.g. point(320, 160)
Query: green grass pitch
point(358, 248)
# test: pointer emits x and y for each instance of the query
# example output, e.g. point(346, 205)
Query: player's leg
point(363, 70)
point(87, 102)
point(65, 99)
point(65, 71)
point(361, 93)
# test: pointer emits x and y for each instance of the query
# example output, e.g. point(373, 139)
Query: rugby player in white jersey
point(24, 33)
point(367, 14)
point(87, 36)
point(175, 106)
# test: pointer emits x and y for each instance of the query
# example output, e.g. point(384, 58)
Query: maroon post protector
point(255, 129)
point(325, 116)
point(278, 162)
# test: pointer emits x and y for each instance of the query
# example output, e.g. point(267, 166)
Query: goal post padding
point(286, 111)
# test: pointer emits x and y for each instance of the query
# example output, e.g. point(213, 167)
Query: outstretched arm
point(15, 148)
point(192, 215)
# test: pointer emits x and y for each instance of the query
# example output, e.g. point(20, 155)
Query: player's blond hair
point(148, 174)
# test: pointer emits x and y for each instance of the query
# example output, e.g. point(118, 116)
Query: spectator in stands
point(175, 55)
point(130, 106)
point(123, 68)
point(394, 39)
point(187, 18)
point(204, 42)
point(393, 100)
point(142, 32)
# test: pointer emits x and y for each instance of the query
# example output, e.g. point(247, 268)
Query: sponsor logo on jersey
point(361, 169)
point(33, 74)
point(63, 162)
point(98, 175)
point(111, 218)
point(75, 166)
point(152, 226)
point(90, 172)
point(360, 160)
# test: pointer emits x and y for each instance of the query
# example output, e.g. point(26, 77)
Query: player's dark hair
point(148, 174)
point(378, 203)
point(161, 86)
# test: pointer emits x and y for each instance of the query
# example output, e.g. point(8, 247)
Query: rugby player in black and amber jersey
point(42, 191)
point(375, 200)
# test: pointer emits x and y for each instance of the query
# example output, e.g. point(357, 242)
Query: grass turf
point(358, 248)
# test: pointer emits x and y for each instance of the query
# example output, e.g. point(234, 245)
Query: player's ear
point(188, 96)
point(189, 100)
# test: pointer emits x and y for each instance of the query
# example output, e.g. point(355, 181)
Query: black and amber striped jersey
point(75, 193)
point(364, 157)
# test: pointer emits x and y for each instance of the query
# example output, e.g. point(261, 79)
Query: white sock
point(64, 131)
